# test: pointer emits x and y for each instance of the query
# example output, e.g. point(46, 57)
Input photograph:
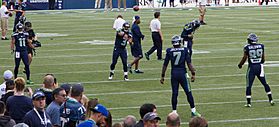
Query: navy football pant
point(157, 45)
point(189, 46)
point(123, 55)
point(176, 79)
point(24, 57)
point(252, 72)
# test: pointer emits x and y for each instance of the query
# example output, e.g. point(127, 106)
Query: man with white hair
point(8, 75)
point(129, 121)
point(173, 120)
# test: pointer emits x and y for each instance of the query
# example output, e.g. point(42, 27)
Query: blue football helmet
point(126, 26)
point(196, 23)
point(19, 26)
point(252, 38)
point(175, 40)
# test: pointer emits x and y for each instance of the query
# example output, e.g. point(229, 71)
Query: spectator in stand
point(108, 5)
point(129, 121)
point(97, 116)
point(164, 3)
point(5, 14)
point(66, 87)
point(118, 22)
point(119, 4)
point(144, 109)
point(173, 120)
point(37, 117)
point(72, 111)
point(10, 85)
point(117, 125)
point(18, 104)
point(91, 103)
point(59, 96)
point(198, 122)
point(171, 3)
point(48, 87)
point(5, 121)
point(8, 75)
point(151, 119)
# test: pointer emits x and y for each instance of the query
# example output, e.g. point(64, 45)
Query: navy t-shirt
point(33, 120)
point(18, 106)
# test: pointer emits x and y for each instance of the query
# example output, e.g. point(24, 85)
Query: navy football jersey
point(121, 41)
point(188, 29)
point(255, 53)
point(20, 7)
point(178, 58)
point(21, 41)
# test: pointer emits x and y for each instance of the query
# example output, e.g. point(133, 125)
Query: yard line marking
point(168, 91)
point(206, 103)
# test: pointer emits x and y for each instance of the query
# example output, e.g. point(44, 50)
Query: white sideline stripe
point(166, 91)
point(207, 103)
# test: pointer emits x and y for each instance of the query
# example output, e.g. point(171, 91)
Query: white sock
point(193, 109)
point(174, 111)
point(112, 71)
point(125, 73)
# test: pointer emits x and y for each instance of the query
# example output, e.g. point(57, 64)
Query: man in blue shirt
point(179, 56)
point(188, 34)
point(254, 52)
point(97, 116)
point(19, 44)
point(136, 46)
point(123, 36)
point(20, 12)
point(37, 117)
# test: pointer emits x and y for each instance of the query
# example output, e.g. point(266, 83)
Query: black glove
point(239, 66)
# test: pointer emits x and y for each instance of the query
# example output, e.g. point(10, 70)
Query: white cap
point(8, 74)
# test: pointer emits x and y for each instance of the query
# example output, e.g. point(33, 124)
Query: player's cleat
point(126, 78)
point(129, 68)
point(29, 82)
point(138, 71)
point(248, 105)
point(146, 56)
point(111, 75)
point(203, 23)
point(195, 114)
point(272, 103)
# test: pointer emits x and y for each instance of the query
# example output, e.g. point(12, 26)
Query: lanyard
point(44, 122)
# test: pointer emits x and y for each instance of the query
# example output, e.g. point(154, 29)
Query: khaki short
point(4, 23)
point(202, 9)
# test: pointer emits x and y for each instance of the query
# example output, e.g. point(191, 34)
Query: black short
point(30, 50)
point(182, 1)
point(136, 51)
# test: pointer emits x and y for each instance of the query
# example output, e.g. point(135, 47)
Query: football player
point(254, 52)
point(123, 36)
point(33, 38)
point(20, 12)
point(179, 56)
point(20, 42)
point(188, 34)
point(136, 46)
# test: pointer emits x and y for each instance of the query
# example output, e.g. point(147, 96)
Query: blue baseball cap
point(37, 95)
point(101, 109)
point(151, 116)
point(137, 17)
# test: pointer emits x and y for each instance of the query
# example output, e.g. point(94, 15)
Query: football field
point(77, 47)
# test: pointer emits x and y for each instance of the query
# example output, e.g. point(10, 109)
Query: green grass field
point(219, 89)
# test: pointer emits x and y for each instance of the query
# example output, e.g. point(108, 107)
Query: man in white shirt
point(4, 13)
point(157, 37)
point(202, 10)
point(118, 22)
point(8, 75)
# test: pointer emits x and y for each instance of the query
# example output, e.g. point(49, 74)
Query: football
point(136, 8)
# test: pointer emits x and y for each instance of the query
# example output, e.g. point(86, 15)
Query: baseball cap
point(137, 17)
point(101, 109)
point(37, 95)
point(151, 116)
point(8, 74)
point(66, 87)
point(77, 87)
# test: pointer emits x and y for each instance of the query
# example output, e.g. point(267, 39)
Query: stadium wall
point(72, 4)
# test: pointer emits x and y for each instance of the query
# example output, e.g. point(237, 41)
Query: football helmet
point(19, 26)
point(175, 40)
point(196, 24)
point(22, 19)
point(252, 38)
point(126, 26)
